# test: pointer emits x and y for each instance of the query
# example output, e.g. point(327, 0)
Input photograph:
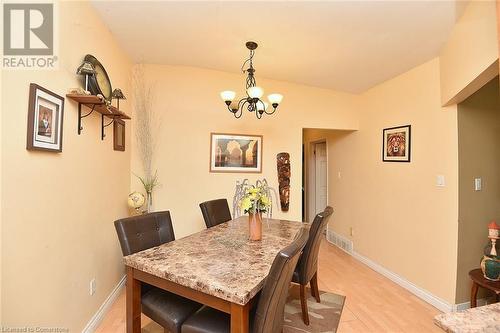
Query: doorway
point(316, 178)
point(321, 175)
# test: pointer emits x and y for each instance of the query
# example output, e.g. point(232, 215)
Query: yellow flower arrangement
point(255, 200)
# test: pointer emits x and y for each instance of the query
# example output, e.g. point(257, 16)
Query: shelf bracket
point(80, 117)
point(103, 126)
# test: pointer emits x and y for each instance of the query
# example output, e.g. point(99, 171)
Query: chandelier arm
point(240, 112)
point(240, 104)
point(270, 113)
point(245, 102)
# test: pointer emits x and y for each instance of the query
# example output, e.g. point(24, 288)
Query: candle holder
point(117, 94)
point(87, 69)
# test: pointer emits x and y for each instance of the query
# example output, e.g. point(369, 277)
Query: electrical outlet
point(352, 231)
point(339, 175)
point(92, 287)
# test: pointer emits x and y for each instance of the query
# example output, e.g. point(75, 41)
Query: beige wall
point(58, 209)
point(188, 100)
point(1, 196)
point(498, 29)
point(479, 157)
point(498, 24)
point(400, 219)
point(468, 60)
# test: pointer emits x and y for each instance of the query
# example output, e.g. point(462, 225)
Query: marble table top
point(481, 319)
point(219, 261)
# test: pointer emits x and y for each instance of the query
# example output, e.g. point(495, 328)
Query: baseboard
point(423, 294)
point(480, 302)
point(104, 308)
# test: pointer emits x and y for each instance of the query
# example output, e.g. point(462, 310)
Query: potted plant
point(255, 202)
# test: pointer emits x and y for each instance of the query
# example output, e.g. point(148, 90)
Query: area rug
point(324, 317)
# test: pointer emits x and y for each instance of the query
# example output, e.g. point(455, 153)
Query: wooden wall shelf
point(99, 105)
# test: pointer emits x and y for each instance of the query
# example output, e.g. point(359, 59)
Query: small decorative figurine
point(493, 230)
point(283, 161)
point(117, 94)
point(86, 68)
point(490, 264)
point(136, 200)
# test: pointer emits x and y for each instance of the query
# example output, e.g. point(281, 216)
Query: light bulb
point(255, 92)
point(228, 95)
point(275, 98)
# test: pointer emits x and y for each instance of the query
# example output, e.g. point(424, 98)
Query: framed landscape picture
point(235, 153)
point(397, 144)
point(45, 120)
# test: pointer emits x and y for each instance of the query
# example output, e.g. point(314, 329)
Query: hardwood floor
point(373, 304)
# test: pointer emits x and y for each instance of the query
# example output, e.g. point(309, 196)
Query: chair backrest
point(142, 232)
point(270, 311)
point(308, 263)
point(215, 212)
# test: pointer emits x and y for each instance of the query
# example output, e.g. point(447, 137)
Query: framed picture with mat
point(45, 120)
point(119, 135)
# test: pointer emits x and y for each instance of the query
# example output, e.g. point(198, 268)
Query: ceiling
point(348, 46)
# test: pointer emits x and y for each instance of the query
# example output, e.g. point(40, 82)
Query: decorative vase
point(255, 226)
point(149, 203)
point(491, 268)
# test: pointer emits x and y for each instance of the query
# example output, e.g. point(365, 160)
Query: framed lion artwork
point(397, 144)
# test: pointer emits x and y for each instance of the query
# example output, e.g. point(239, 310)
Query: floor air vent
point(340, 241)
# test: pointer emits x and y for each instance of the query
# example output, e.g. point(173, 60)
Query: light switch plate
point(92, 287)
point(478, 184)
point(440, 181)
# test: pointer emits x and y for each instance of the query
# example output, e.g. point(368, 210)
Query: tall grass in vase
point(147, 125)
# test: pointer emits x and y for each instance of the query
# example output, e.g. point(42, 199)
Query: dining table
point(218, 267)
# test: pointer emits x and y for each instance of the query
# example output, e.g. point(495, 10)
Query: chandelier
point(252, 102)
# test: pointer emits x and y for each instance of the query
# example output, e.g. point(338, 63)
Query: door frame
point(310, 191)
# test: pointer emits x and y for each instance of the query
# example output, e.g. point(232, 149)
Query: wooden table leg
point(240, 318)
point(133, 302)
point(473, 294)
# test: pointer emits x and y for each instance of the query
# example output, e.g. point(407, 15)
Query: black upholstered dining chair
point(269, 314)
point(142, 232)
point(215, 212)
point(307, 267)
